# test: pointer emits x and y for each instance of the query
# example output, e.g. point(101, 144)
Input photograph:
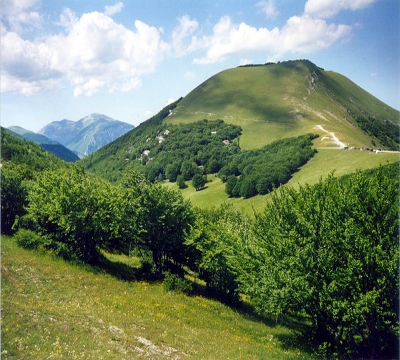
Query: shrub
point(28, 239)
point(174, 282)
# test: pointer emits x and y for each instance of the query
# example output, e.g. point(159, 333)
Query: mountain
point(86, 135)
point(51, 146)
point(268, 102)
point(291, 98)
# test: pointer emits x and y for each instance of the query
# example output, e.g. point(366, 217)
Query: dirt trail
point(332, 136)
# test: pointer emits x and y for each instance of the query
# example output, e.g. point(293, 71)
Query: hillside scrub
point(81, 214)
point(330, 251)
point(20, 161)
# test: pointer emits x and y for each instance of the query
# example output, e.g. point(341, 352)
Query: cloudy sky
point(67, 59)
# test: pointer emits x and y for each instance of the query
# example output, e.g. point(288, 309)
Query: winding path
point(333, 136)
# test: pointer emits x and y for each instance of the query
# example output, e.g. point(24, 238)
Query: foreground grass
point(52, 309)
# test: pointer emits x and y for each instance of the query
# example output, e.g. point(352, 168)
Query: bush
point(174, 282)
point(28, 239)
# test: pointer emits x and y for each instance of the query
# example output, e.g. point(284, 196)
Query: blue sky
point(68, 59)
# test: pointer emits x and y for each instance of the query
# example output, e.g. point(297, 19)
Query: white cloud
point(170, 101)
point(183, 40)
point(25, 65)
point(89, 88)
point(93, 52)
point(113, 9)
point(300, 35)
point(267, 7)
point(328, 8)
point(18, 16)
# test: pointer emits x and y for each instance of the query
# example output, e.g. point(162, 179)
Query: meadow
point(53, 309)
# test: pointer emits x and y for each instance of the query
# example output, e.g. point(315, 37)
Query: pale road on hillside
point(343, 145)
point(333, 136)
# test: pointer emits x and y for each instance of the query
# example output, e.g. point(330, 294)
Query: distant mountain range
point(86, 135)
point(51, 146)
point(72, 140)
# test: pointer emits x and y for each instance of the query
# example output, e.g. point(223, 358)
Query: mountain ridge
point(87, 134)
point(52, 146)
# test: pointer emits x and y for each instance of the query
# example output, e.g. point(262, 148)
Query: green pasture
point(52, 310)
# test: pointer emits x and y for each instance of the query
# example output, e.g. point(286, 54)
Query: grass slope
point(52, 309)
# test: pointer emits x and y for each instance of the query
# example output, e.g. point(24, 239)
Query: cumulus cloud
point(93, 52)
point(300, 35)
point(267, 7)
point(328, 8)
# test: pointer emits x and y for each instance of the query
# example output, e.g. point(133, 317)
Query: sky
point(128, 59)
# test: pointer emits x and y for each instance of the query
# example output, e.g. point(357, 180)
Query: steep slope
point(86, 135)
point(51, 146)
point(274, 101)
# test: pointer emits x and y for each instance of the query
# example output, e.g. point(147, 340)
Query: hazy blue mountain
point(86, 135)
point(53, 147)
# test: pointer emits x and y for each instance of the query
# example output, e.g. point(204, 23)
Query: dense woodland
point(326, 254)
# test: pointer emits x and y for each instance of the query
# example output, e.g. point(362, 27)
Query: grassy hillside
point(52, 309)
point(281, 100)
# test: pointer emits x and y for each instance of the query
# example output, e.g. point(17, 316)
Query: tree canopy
point(331, 251)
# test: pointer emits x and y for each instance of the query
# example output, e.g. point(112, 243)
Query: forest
point(325, 253)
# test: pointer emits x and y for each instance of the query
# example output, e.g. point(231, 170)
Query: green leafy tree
point(166, 218)
point(172, 171)
point(213, 166)
point(230, 185)
point(198, 181)
point(180, 180)
point(13, 196)
point(189, 169)
point(77, 212)
point(331, 251)
point(248, 187)
point(215, 237)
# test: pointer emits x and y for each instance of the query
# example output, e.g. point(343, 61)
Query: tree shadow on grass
point(123, 271)
point(300, 337)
